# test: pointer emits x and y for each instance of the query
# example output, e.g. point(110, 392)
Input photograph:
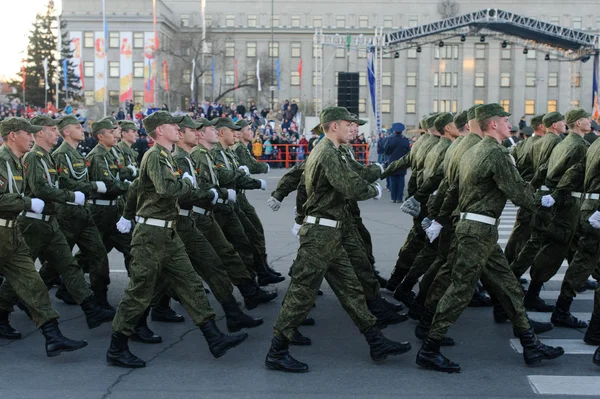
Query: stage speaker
point(348, 91)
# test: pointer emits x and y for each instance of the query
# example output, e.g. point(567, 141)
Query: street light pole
point(272, 49)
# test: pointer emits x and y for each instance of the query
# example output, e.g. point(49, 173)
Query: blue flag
point(371, 77)
point(278, 73)
point(65, 73)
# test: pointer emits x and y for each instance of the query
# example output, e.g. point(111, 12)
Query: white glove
point(274, 204)
point(100, 187)
point(133, 170)
point(244, 169)
point(231, 195)
point(426, 223)
point(124, 225)
point(411, 206)
point(263, 184)
point(295, 211)
point(296, 229)
point(433, 231)
point(216, 197)
point(37, 205)
point(79, 198)
point(379, 192)
point(268, 168)
point(186, 175)
point(547, 201)
point(595, 220)
point(380, 167)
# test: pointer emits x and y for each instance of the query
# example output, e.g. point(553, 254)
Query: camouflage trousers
point(19, 271)
point(365, 236)
point(233, 229)
point(45, 239)
point(519, 235)
point(540, 223)
point(322, 255)
point(256, 236)
point(415, 242)
point(478, 253)
point(357, 254)
point(158, 254)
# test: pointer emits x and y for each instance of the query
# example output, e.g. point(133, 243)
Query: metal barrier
point(287, 155)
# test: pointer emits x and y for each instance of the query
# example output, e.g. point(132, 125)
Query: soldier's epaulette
point(164, 154)
point(39, 153)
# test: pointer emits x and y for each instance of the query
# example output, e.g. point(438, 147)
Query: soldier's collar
point(10, 151)
point(179, 149)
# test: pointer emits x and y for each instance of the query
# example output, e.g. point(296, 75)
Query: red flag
point(81, 74)
point(166, 74)
point(154, 23)
point(23, 75)
point(235, 72)
point(300, 72)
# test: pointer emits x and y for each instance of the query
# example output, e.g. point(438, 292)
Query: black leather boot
point(596, 358)
point(270, 269)
point(479, 300)
point(590, 285)
point(119, 355)
point(102, 300)
point(534, 351)
point(64, 295)
point(266, 278)
point(254, 295)
point(94, 314)
point(538, 327)
point(416, 310)
point(163, 312)
point(309, 321)
point(499, 313)
point(422, 329)
point(143, 333)
point(279, 358)
point(406, 296)
point(382, 282)
point(381, 347)
point(6, 330)
point(300, 340)
point(394, 307)
point(562, 317)
point(592, 334)
point(431, 358)
point(220, 343)
point(236, 319)
point(384, 316)
point(56, 343)
point(532, 300)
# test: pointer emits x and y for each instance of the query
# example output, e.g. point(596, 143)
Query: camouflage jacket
point(541, 153)
point(433, 170)
point(103, 166)
point(245, 158)
point(523, 155)
point(72, 169)
point(12, 182)
point(566, 154)
point(130, 157)
point(229, 175)
point(201, 197)
point(289, 182)
point(119, 154)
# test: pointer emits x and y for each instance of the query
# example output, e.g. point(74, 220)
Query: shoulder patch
point(2, 183)
point(39, 153)
point(18, 178)
point(163, 153)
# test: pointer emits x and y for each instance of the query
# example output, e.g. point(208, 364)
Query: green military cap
point(102, 124)
point(317, 129)
point(527, 131)
point(242, 123)
point(471, 111)
point(226, 122)
point(442, 120)
point(576, 114)
point(205, 122)
point(68, 120)
point(155, 119)
point(128, 125)
point(461, 119)
point(189, 122)
point(359, 121)
point(537, 120)
point(44, 120)
point(486, 111)
point(423, 122)
point(112, 119)
point(550, 118)
point(14, 124)
point(331, 114)
point(429, 121)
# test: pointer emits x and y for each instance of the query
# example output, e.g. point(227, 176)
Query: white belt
point(72, 203)
point(433, 193)
point(323, 222)
point(202, 211)
point(479, 218)
point(544, 188)
point(102, 202)
point(38, 216)
point(592, 196)
point(221, 201)
point(185, 212)
point(7, 223)
point(575, 194)
point(168, 224)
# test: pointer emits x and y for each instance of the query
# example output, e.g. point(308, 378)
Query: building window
point(479, 80)
point(88, 39)
point(186, 76)
point(138, 97)
point(90, 98)
point(505, 104)
point(575, 79)
point(362, 78)
point(577, 22)
point(531, 54)
point(412, 53)
point(386, 78)
point(251, 49)
point(340, 52)
point(446, 52)
point(411, 106)
point(552, 105)
point(505, 79)
point(317, 51)
point(480, 51)
point(186, 49)
point(506, 52)
point(552, 80)
point(138, 69)
point(386, 106)
point(229, 78)
point(274, 49)
point(113, 69)
point(413, 21)
point(208, 79)
point(138, 39)
point(340, 21)
point(362, 105)
point(363, 21)
point(478, 102)
point(444, 105)
point(208, 20)
point(251, 21)
point(362, 53)
point(230, 20)
point(185, 20)
point(445, 79)
point(229, 49)
point(113, 40)
point(296, 49)
point(275, 20)
point(250, 75)
point(317, 21)
point(388, 22)
point(530, 79)
point(295, 78)
point(295, 21)
point(529, 107)
point(598, 23)
point(88, 69)
point(574, 104)
point(411, 79)
point(113, 98)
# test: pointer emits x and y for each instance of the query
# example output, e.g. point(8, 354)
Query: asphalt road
point(340, 366)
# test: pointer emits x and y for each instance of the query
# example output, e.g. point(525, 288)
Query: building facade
point(277, 38)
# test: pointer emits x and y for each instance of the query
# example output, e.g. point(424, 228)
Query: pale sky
point(17, 20)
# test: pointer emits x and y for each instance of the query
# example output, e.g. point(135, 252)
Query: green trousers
point(22, 279)
point(365, 236)
point(234, 231)
point(415, 242)
point(159, 254)
point(540, 225)
point(257, 235)
point(519, 235)
point(357, 254)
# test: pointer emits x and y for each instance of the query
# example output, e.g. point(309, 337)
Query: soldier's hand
point(231, 195)
point(296, 229)
point(379, 192)
point(274, 204)
point(244, 169)
point(595, 220)
point(100, 187)
point(216, 197)
point(433, 231)
point(411, 206)
point(186, 175)
point(268, 168)
point(133, 169)
point(124, 225)
point(263, 184)
point(380, 167)
point(37, 205)
point(426, 223)
point(79, 198)
point(547, 201)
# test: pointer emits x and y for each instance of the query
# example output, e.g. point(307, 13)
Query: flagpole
point(46, 84)
point(104, 27)
point(58, 50)
point(204, 46)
